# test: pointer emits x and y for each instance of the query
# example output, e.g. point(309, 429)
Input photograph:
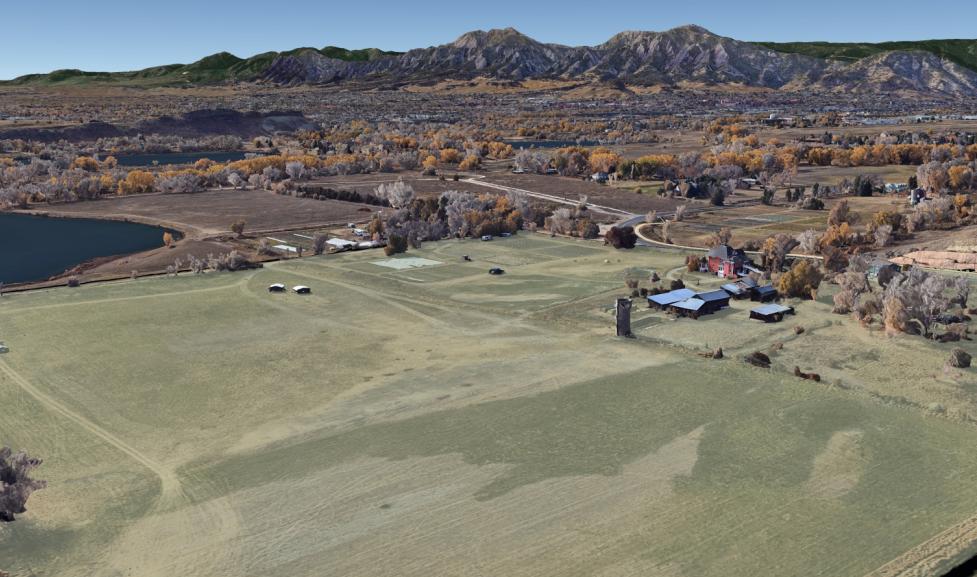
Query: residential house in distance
point(896, 187)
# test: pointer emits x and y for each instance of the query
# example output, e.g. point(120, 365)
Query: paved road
point(553, 198)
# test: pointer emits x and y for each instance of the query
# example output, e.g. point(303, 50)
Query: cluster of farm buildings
point(727, 263)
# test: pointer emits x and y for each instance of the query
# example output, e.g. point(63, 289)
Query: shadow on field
point(591, 428)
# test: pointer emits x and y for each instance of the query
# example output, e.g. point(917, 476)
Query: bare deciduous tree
point(319, 244)
point(809, 241)
point(16, 484)
point(883, 235)
point(913, 302)
point(399, 194)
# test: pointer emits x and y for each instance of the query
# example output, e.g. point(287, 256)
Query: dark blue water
point(517, 144)
point(167, 158)
point(35, 248)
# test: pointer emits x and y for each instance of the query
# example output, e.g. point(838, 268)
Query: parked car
point(496, 270)
point(276, 288)
point(487, 237)
point(505, 234)
point(301, 289)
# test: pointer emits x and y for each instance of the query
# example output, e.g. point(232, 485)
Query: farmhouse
point(726, 261)
point(771, 313)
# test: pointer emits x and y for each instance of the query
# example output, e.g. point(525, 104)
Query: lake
point(35, 248)
point(167, 158)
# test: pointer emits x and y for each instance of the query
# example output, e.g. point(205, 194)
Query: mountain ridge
point(683, 54)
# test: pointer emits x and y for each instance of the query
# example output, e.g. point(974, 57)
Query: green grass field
point(442, 421)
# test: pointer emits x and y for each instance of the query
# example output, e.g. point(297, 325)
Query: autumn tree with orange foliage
point(471, 162)
point(137, 181)
point(86, 163)
point(603, 160)
point(960, 177)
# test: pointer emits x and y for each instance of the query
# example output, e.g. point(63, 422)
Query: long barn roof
point(672, 297)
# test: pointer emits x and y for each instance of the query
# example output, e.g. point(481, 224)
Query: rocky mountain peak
point(496, 37)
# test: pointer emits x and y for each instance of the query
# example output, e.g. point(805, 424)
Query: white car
point(276, 288)
point(301, 289)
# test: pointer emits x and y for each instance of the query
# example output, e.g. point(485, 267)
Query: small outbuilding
point(741, 288)
point(764, 294)
point(771, 313)
point(301, 289)
point(276, 288)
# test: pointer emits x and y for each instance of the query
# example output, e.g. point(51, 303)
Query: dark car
point(496, 271)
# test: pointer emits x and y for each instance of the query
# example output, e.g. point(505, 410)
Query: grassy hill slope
point(213, 69)
point(962, 52)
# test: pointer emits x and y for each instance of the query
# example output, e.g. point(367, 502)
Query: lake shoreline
point(95, 238)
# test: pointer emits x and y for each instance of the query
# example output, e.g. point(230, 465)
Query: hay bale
point(959, 359)
point(758, 359)
point(806, 376)
point(798, 330)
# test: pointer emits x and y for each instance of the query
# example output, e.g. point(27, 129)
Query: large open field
point(212, 212)
point(436, 420)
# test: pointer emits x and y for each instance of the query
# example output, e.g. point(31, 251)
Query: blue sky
point(44, 35)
